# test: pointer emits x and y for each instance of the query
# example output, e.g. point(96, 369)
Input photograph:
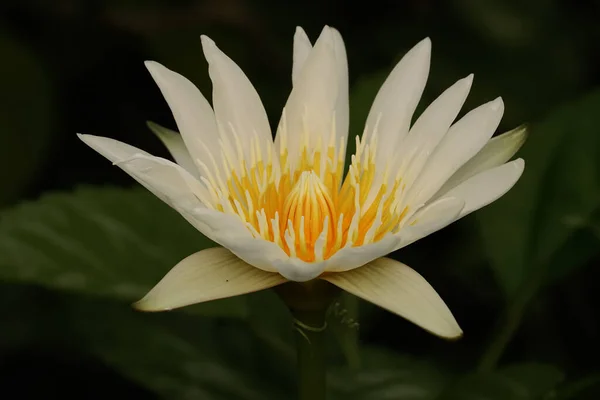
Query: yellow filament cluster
point(301, 204)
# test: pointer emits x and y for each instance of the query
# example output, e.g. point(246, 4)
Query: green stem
point(310, 330)
point(308, 302)
point(511, 320)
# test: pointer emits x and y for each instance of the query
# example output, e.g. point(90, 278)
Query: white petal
point(312, 103)
point(194, 116)
point(430, 128)
point(496, 152)
point(299, 271)
point(207, 275)
point(342, 107)
point(397, 99)
point(165, 179)
point(302, 48)
point(488, 186)
point(402, 291)
point(423, 137)
point(173, 141)
point(351, 257)
point(464, 139)
point(230, 232)
point(430, 219)
point(239, 111)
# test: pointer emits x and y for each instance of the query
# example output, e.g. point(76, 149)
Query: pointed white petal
point(194, 116)
point(230, 232)
point(302, 48)
point(173, 141)
point(430, 128)
point(396, 101)
point(496, 152)
point(207, 275)
point(464, 139)
point(239, 111)
point(402, 291)
point(311, 106)
point(167, 180)
point(424, 136)
point(342, 107)
point(487, 186)
point(430, 219)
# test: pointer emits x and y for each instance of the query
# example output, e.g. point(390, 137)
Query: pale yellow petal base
point(209, 274)
point(402, 291)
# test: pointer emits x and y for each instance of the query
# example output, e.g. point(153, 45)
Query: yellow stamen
point(302, 204)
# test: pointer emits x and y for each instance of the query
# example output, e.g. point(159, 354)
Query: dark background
point(69, 66)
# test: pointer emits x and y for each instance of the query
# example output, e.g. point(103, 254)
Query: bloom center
point(308, 217)
point(298, 199)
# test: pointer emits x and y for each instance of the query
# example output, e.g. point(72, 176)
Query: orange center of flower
point(301, 204)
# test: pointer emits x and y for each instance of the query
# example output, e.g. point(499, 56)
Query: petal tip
point(519, 164)
point(497, 104)
point(455, 334)
point(146, 306)
point(206, 41)
point(425, 44)
point(209, 47)
point(300, 32)
point(154, 67)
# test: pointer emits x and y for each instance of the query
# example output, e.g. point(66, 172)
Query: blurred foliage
point(520, 275)
point(25, 117)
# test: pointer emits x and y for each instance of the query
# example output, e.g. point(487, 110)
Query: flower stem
point(308, 302)
point(511, 321)
point(310, 330)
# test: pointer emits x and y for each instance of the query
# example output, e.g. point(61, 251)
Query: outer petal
point(496, 152)
point(423, 137)
point(488, 186)
point(302, 48)
point(342, 106)
point(464, 139)
point(239, 111)
point(173, 141)
point(311, 107)
point(430, 219)
point(350, 257)
point(430, 128)
point(167, 180)
point(396, 101)
point(230, 232)
point(401, 290)
point(299, 271)
point(207, 275)
point(194, 116)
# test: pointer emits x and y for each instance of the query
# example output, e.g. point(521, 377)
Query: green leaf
point(386, 375)
point(25, 117)
point(177, 355)
point(110, 242)
point(587, 387)
point(519, 382)
point(183, 356)
point(526, 228)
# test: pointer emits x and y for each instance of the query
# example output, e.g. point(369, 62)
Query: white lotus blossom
point(283, 210)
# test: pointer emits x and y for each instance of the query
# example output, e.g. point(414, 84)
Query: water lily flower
point(282, 209)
